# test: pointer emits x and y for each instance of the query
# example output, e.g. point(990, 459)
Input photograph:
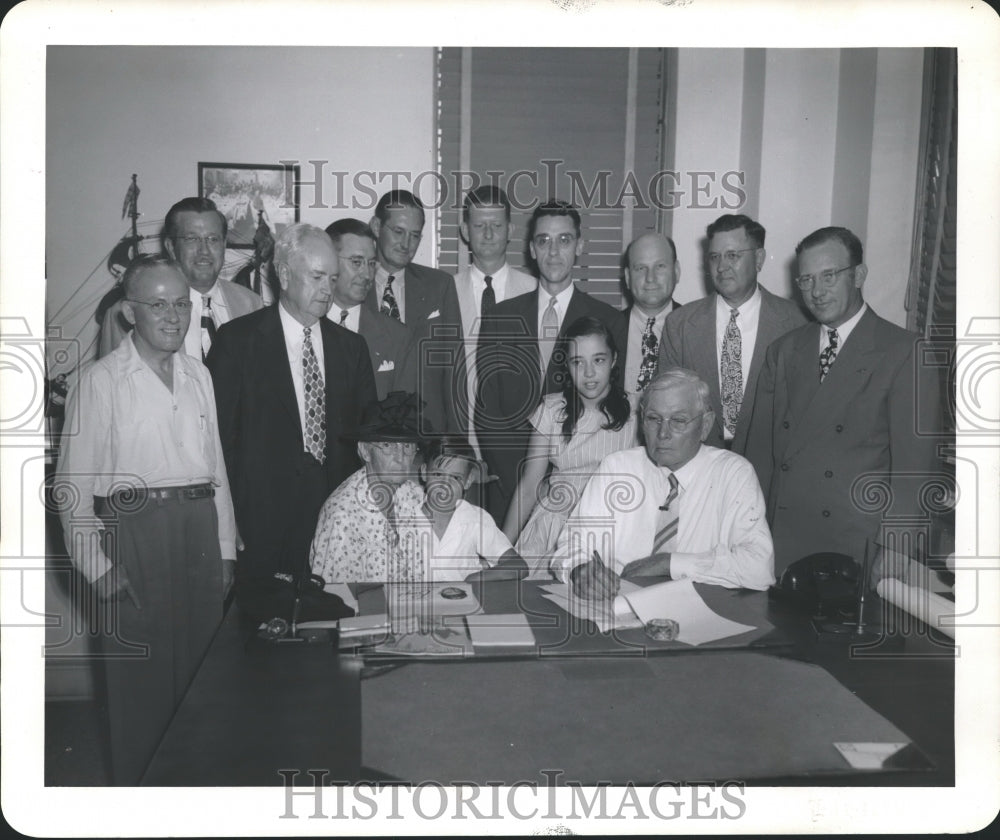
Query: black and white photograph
point(439, 435)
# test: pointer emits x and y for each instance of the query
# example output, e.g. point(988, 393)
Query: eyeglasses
point(360, 262)
point(678, 425)
point(395, 446)
point(731, 257)
point(564, 240)
point(192, 241)
point(826, 278)
point(161, 307)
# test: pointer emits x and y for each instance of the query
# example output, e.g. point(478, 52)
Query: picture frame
point(242, 191)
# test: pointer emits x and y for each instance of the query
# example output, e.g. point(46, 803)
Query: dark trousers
point(170, 551)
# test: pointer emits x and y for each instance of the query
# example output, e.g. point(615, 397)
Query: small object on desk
point(274, 629)
point(490, 631)
point(453, 593)
point(662, 629)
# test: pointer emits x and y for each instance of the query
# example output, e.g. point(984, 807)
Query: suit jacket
point(518, 283)
point(812, 444)
point(277, 488)
point(238, 299)
point(510, 387)
point(390, 345)
point(626, 316)
point(433, 316)
point(689, 341)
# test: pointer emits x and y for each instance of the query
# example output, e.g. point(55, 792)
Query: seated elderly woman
point(355, 537)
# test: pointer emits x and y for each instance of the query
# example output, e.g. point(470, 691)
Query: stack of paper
point(615, 615)
point(492, 631)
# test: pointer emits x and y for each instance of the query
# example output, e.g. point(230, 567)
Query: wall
point(830, 136)
point(158, 111)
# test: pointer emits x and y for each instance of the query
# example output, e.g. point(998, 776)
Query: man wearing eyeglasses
point(194, 235)
point(421, 297)
point(723, 337)
point(514, 361)
point(836, 401)
point(672, 507)
point(390, 342)
point(148, 516)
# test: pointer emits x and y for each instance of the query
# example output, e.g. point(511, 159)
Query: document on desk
point(617, 615)
point(680, 601)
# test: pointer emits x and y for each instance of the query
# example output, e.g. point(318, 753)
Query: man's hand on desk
point(594, 581)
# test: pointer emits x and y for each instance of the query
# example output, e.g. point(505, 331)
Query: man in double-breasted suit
point(845, 416)
point(390, 342)
point(288, 385)
point(723, 337)
point(489, 280)
point(516, 342)
point(194, 236)
point(421, 297)
point(651, 273)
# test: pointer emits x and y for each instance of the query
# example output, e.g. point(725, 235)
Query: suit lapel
point(333, 384)
point(704, 360)
point(275, 366)
point(467, 303)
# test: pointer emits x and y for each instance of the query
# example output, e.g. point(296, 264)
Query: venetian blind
point(582, 125)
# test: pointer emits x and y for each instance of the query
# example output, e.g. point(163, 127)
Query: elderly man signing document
point(674, 507)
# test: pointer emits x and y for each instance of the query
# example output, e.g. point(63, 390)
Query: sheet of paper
point(617, 615)
point(510, 630)
point(679, 600)
point(868, 756)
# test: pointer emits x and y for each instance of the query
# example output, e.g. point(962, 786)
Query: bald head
point(651, 272)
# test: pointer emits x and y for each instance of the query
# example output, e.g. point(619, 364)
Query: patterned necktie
point(207, 326)
point(315, 400)
point(547, 338)
point(489, 296)
point(389, 305)
point(343, 317)
point(666, 522)
point(732, 373)
point(649, 349)
point(827, 357)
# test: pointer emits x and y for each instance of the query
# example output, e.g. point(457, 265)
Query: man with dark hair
point(514, 361)
point(148, 517)
point(839, 401)
point(489, 280)
point(723, 337)
point(651, 273)
point(288, 384)
point(390, 342)
point(424, 299)
point(194, 235)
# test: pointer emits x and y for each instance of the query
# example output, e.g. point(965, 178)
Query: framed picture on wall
point(247, 193)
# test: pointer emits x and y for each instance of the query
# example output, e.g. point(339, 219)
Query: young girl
point(574, 431)
point(443, 537)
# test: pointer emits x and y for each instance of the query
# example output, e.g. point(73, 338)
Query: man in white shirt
point(651, 273)
point(490, 280)
point(723, 337)
point(194, 235)
point(148, 517)
point(390, 342)
point(673, 507)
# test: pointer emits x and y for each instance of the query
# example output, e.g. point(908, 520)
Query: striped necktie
point(666, 523)
point(547, 338)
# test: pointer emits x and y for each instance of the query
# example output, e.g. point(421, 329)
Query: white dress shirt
point(747, 320)
point(633, 352)
point(398, 284)
point(843, 331)
point(722, 533)
point(477, 278)
point(294, 334)
point(353, 322)
point(124, 429)
point(562, 303)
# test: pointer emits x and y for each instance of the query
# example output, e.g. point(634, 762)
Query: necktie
point(666, 522)
point(389, 305)
point(207, 326)
point(547, 338)
point(732, 372)
point(343, 317)
point(649, 348)
point(827, 357)
point(315, 401)
point(489, 296)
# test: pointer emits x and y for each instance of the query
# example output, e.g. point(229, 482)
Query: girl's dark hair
point(615, 405)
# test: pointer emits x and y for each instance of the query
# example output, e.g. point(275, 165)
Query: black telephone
point(820, 583)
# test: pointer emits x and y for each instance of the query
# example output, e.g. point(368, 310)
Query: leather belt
point(132, 498)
